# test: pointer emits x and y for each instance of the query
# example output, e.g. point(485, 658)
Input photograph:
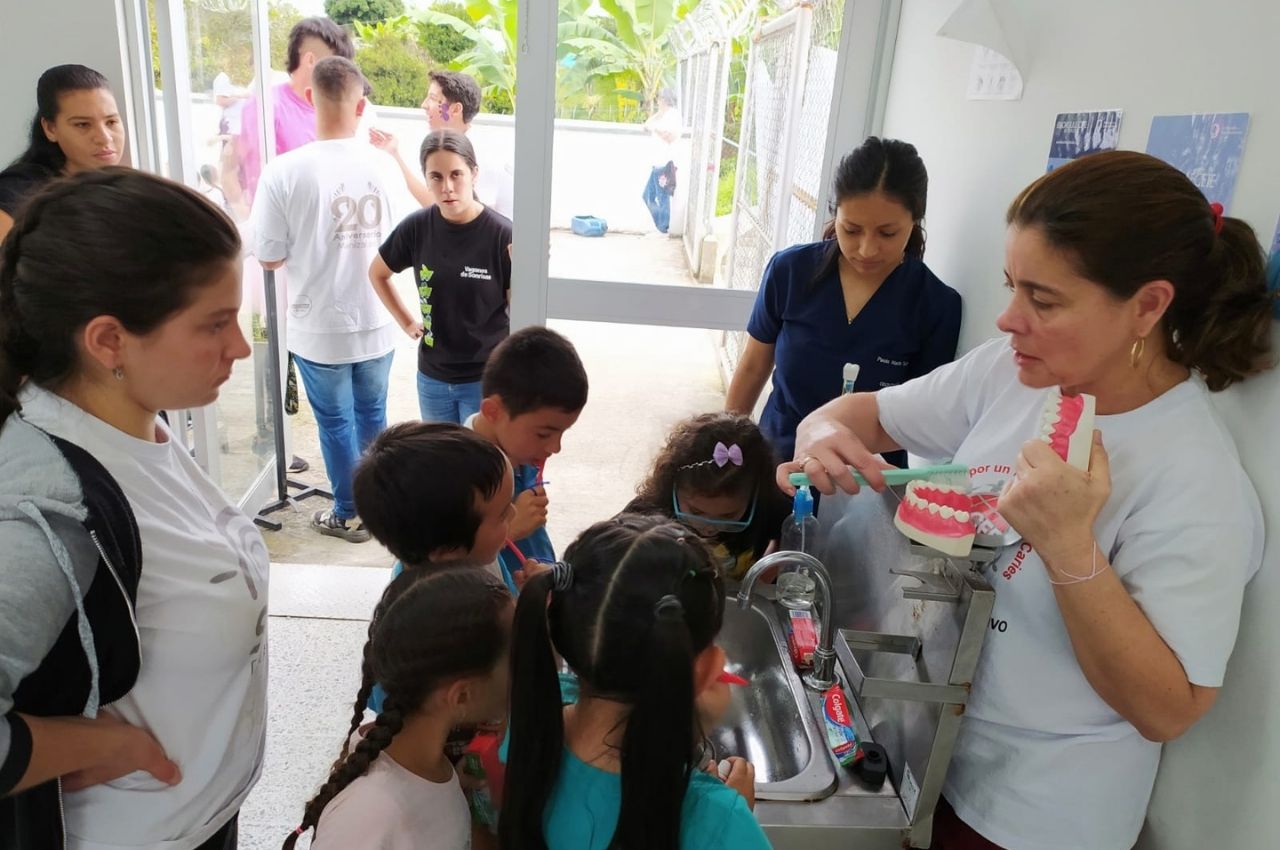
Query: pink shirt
point(295, 122)
point(390, 808)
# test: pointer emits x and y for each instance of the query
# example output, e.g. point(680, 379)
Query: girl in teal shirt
point(634, 611)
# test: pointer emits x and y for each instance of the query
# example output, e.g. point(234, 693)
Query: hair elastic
point(1217, 210)
point(669, 607)
point(561, 575)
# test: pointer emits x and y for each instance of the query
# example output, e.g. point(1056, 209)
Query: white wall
point(1219, 784)
point(598, 168)
point(88, 32)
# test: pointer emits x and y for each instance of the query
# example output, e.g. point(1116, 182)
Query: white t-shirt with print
point(391, 808)
point(324, 209)
point(202, 621)
point(495, 185)
point(1042, 763)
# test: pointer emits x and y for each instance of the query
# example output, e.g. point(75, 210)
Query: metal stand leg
point(275, 386)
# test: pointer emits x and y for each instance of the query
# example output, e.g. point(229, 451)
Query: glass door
point(629, 237)
point(205, 61)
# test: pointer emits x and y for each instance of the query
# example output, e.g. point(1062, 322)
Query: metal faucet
point(822, 676)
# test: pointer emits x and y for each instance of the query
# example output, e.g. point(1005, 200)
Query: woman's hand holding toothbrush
point(843, 433)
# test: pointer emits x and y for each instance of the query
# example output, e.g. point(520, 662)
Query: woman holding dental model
point(1119, 607)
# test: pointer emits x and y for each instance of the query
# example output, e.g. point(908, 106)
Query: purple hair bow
point(727, 454)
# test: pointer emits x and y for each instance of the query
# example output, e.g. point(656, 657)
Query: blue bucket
point(589, 225)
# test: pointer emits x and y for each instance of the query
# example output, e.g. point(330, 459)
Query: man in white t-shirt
point(664, 125)
point(452, 102)
point(323, 209)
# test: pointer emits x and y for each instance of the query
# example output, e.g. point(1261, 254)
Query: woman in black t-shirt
point(459, 251)
point(77, 128)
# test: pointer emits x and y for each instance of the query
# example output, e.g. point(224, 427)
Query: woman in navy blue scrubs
point(862, 295)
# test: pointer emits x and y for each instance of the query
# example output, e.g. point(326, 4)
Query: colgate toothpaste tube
point(841, 736)
point(802, 639)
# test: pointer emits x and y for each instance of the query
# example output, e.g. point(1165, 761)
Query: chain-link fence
point(811, 132)
point(703, 48)
point(790, 84)
point(760, 206)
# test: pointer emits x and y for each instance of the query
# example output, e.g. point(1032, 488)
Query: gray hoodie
point(47, 560)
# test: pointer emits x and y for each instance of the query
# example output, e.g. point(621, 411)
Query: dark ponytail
point(881, 165)
point(111, 242)
point(656, 759)
point(41, 154)
point(431, 626)
point(643, 601)
point(1127, 219)
point(536, 725)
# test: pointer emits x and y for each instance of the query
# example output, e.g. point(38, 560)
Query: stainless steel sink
point(771, 722)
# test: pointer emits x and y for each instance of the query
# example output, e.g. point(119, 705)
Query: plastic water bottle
point(799, 534)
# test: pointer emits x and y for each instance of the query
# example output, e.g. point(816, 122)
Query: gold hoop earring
point(1136, 352)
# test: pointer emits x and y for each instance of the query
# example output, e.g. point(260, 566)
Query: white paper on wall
point(993, 74)
point(993, 77)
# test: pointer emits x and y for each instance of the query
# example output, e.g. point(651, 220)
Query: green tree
point(221, 42)
point(634, 55)
point(363, 11)
point(443, 43)
point(391, 59)
point(489, 28)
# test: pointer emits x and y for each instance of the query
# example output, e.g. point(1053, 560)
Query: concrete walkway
point(643, 380)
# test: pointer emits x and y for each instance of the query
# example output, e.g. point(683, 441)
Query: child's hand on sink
point(739, 774)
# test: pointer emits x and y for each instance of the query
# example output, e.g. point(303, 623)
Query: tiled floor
point(319, 620)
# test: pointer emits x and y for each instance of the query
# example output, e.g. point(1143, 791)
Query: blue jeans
point(440, 401)
point(657, 200)
point(350, 404)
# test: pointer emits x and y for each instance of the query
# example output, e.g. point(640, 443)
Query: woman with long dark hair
point(133, 619)
point(460, 251)
point(77, 127)
point(861, 296)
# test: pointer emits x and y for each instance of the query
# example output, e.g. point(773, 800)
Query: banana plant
point(635, 54)
point(491, 28)
point(625, 51)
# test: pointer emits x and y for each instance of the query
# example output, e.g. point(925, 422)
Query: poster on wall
point(1207, 147)
point(993, 77)
point(1078, 133)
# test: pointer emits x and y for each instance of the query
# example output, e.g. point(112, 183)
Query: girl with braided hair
point(634, 611)
point(438, 645)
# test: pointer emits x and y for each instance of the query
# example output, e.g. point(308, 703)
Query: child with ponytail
point(438, 644)
point(634, 611)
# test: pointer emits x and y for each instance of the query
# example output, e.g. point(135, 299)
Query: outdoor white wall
point(1219, 784)
point(38, 35)
point(599, 168)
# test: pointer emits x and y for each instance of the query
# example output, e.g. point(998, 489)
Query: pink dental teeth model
point(1067, 426)
point(937, 516)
